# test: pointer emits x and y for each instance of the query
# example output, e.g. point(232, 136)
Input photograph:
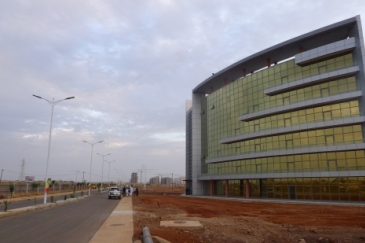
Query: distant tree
point(11, 189)
point(99, 187)
point(35, 186)
point(53, 183)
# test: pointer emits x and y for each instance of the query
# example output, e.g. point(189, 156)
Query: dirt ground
point(243, 221)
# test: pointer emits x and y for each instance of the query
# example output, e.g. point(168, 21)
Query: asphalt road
point(31, 202)
point(71, 222)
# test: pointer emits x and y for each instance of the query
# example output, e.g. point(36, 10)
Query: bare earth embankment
point(242, 221)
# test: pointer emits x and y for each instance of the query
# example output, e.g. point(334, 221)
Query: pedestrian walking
point(123, 191)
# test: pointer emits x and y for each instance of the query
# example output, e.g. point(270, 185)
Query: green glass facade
point(246, 95)
point(269, 174)
point(316, 188)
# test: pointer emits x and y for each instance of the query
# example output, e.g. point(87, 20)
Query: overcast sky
point(131, 65)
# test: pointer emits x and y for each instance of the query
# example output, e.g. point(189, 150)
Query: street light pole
point(118, 170)
point(109, 168)
point(102, 170)
point(91, 161)
point(82, 183)
point(52, 103)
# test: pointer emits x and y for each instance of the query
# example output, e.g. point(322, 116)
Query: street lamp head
point(84, 141)
point(68, 98)
point(100, 141)
point(37, 96)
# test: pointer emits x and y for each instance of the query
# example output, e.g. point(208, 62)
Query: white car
point(114, 192)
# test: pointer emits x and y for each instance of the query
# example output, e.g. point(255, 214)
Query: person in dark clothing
point(137, 191)
point(123, 191)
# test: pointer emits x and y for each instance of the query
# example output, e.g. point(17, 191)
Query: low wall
point(21, 187)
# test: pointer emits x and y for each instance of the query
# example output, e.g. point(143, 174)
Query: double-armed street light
point(118, 171)
point(102, 170)
point(109, 168)
point(52, 103)
point(91, 161)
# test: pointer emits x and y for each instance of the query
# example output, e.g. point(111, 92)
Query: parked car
point(114, 192)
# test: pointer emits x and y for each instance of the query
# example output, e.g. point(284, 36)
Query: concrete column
point(211, 188)
point(197, 189)
point(241, 188)
point(226, 188)
point(247, 188)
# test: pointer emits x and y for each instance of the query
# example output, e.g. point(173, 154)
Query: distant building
point(134, 177)
point(155, 180)
point(166, 180)
point(181, 180)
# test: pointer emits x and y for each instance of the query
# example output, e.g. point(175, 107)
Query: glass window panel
point(357, 128)
point(360, 154)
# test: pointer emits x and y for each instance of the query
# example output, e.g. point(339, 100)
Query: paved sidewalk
point(119, 225)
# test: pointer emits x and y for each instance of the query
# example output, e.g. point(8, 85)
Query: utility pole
point(172, 182)
point(1, 177)
point(21, 175)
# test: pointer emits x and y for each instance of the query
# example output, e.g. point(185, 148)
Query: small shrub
point(52, 199)
point(82, 193)
point(65, 197)
point(72, 195)
point(35, 186)
point(11, 189)
point(35, 200)
point(6, 204)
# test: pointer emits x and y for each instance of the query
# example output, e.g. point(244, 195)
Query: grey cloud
point(131, 66)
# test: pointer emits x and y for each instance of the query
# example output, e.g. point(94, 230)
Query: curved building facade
point(287, 122)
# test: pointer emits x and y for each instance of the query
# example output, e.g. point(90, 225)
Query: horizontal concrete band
point(283, 152)
point(244, 176)
point(317, 79)
point(299, 128)
point(301, 105)
point(326, 51)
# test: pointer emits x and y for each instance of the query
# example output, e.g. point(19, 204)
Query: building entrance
point(292, 192)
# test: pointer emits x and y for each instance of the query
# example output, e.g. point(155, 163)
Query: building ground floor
point(320, 188)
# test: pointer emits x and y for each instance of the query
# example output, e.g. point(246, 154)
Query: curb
point(18, 211)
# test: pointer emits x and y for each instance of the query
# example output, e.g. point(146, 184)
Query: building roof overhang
point(277, 53)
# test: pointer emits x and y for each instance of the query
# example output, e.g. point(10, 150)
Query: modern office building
point(287, 122)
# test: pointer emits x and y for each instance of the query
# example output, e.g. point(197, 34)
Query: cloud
point(169, 137)
point(131, 65)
